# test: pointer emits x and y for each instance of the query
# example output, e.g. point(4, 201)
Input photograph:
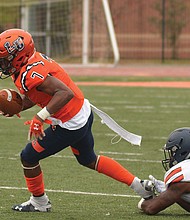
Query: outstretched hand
point(159, 185)
point(144, 188)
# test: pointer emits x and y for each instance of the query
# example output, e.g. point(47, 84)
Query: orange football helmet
point(16, 47)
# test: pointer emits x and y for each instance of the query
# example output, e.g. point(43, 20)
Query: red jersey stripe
point(173, 172)
point(178, 179)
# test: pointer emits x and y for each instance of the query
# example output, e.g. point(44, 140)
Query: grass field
point(79, 193)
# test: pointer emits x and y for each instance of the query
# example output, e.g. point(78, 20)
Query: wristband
point(43, 114)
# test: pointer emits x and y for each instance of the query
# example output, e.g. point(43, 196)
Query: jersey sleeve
point(178, 173)
point(34, 74)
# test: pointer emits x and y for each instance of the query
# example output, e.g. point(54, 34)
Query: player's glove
point(143, 188)
point(159, 185)
point(36, 128)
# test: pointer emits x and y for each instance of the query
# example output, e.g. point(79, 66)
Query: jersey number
point(35, 74)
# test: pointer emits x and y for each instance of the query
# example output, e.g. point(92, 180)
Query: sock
point(42, 200)
point(113, 169)
point(35, 185)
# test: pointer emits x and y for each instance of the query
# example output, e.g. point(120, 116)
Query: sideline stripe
point(120, 153)
point(139, 84)
point(73, 192)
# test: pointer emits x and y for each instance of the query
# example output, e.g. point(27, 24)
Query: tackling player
point(176, 185)
point(44, 83)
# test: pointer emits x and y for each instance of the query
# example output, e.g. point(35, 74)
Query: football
point(10, 102)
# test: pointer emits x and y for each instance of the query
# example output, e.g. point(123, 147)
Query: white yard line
point(111, 153)
point(72, 192)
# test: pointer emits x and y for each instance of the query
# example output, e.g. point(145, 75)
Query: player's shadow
point(169, 215)
point(176, 215)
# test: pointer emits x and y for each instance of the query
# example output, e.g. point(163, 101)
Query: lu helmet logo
point(18, 44)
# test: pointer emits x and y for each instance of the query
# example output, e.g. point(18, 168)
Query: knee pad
point(29, 155)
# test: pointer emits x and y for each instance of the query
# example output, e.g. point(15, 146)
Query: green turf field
point(79, 193)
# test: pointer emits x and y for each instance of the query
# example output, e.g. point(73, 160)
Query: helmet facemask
point(169, 155)
point(6, 68)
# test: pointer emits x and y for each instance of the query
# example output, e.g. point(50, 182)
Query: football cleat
point(32, 206)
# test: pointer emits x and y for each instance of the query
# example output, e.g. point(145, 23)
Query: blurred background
point(104, 31)
point(148, 41)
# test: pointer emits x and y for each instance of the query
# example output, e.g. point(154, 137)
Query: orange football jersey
point(34, 73)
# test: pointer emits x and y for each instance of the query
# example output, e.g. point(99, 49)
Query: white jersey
point(179, 173)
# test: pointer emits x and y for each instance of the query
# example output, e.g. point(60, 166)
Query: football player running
point(43, 82)
point(176, 185)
